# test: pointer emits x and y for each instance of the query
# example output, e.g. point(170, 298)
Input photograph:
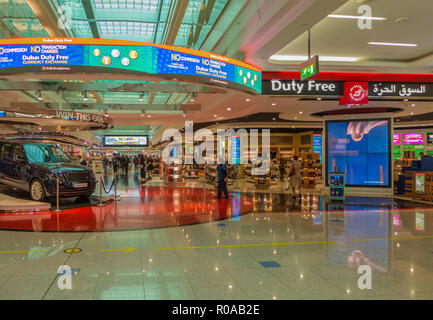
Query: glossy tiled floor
point(313, 250)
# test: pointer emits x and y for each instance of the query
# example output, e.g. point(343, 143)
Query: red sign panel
point(355, 93)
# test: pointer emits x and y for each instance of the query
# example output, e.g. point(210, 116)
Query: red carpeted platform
point(150, 207)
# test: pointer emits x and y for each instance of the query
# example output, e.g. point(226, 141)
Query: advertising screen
point(317, 144)
point(420, 183)
point(396, 139)
point(126, 141)
point(419, 221)
point(413, 138)
point(430, 138)
point(235, 152)
point(74, 54)
point(361, 150)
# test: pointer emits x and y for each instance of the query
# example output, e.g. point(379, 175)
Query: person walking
point(282, 167)
point(222, 180)
point(295, 169)
point(115, 164)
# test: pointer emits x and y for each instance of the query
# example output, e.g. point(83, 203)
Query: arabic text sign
point(413, 138)
point(389, 89)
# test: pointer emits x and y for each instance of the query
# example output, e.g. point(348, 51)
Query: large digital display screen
point(361, 150)
point(68, 54)
point(126, 141)
point(413, 138)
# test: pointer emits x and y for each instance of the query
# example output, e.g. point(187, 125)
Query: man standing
point(222, 180)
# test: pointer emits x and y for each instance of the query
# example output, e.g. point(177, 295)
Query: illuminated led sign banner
point(53, 55)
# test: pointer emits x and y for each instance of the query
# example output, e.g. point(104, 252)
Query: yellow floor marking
point(293, 243)
point(22, 251)
point(126, 249)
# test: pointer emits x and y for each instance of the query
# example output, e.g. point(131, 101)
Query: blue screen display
point(235, 150)
point(317, 145)
point(361, 150)
point(40, 55)
point(170, 62)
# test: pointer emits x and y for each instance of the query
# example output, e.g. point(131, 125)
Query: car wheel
point(37, 191)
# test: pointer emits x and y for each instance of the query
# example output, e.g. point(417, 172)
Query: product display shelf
point(174, 175)
point(336, 186)
point(311, 169)
point(192, 171)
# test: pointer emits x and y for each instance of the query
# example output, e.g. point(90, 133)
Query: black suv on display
point(34, 167)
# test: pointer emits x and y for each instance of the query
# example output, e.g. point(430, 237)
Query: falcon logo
point(2, 50)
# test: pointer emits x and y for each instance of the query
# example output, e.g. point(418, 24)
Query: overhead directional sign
point(310, 68)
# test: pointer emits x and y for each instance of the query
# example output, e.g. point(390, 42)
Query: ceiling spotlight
point(406, 100)
point(149, 116)
point(274, 104)
point(229, 109)
point(40, 96)
point(411, 113)
point(273, 119)
point(319, 99)
point(413, 105)
point(215, 115)
point(184, 115)
point(343, 16)
point(141, 97)
point(247, 100)
point(300, 112)
point(192, 100)
point(106, 113)
point(393, 44)
point(85, 98)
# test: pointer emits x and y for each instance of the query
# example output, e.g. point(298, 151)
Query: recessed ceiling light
point(149, 116)
point(274, 104)
point(285, 57)
point(229, 109)
point(411, 113)
point(215, 115)
point(344, 16)
point(192, 100)
point(273, 119)
point(300, 112)
point(319, 99)
point(296, 118)
point(40, 96)
point(413, 105)
point(406, 100)
point(393, 44)
point(247, 100)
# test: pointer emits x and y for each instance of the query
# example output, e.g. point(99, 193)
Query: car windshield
point(39, 153)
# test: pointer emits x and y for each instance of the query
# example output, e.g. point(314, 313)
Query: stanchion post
point(100, 204)
point(115, 188)
point(58, 195)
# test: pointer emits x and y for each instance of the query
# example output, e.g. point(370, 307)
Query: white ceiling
point(342, 37)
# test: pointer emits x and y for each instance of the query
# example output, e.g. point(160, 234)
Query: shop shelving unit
point(336, 185)
point(174, 175)
point(311, 169)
